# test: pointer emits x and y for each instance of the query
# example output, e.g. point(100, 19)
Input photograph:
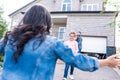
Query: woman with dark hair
point(31, 53)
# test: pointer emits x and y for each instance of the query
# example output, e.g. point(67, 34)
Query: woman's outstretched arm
point(85, 63)
point(111, 61)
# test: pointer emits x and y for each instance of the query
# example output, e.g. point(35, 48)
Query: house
point(87, 16)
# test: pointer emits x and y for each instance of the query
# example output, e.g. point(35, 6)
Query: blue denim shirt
point(79, 40)
point(37, 62)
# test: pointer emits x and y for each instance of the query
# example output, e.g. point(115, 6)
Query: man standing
point(79, 40)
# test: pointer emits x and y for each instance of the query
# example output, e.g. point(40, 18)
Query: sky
point(10, 6)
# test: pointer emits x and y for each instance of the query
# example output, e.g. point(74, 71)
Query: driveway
point(104, 73)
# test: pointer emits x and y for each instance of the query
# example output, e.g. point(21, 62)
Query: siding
point(92, 25)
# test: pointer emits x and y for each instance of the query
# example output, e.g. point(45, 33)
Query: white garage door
point(94, 44)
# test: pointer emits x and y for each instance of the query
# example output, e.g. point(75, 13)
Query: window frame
point(91, 5)
point(66, 5)
point(15, 21)
point(59, 33)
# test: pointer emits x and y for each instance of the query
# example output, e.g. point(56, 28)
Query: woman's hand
point(111, 61)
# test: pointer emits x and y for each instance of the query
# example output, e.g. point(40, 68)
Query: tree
point(3, 25)
point(115, 4)
point(3, 28)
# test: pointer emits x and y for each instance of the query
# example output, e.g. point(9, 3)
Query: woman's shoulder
point(51, 38)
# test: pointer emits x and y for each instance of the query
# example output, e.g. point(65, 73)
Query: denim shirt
point(79, 40)
point(37, 62)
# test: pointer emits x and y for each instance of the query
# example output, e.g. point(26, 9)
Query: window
point(61, 33)
point(66, 6)
point(89, 7)
point(16, 21)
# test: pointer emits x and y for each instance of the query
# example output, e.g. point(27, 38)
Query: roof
point(64, 12)
point(83, 12)
point(22, 7)
point(78, 12)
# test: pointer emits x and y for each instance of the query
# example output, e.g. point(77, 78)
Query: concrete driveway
point(104, 73)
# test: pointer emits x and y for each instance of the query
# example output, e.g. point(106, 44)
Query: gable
point(22, 8)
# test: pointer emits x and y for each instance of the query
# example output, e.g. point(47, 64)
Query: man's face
point(78, 34)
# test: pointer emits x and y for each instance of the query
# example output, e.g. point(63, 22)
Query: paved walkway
point(104, 73)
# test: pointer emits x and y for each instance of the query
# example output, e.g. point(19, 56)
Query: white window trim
point(65, 3)
point(15, 21)
point(90, 5)
point(59, 33)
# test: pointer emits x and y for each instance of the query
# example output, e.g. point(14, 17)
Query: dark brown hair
point(37, 20)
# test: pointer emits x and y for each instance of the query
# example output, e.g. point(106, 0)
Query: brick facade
point(97, 25)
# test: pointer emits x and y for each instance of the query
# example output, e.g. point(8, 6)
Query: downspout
point(116, 14)
point(54, 1)
point(80, 1)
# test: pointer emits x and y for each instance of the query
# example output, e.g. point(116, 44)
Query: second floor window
point(89, 7)
point(66, 6)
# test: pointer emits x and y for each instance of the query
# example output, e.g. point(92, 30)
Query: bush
point(3, 28)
